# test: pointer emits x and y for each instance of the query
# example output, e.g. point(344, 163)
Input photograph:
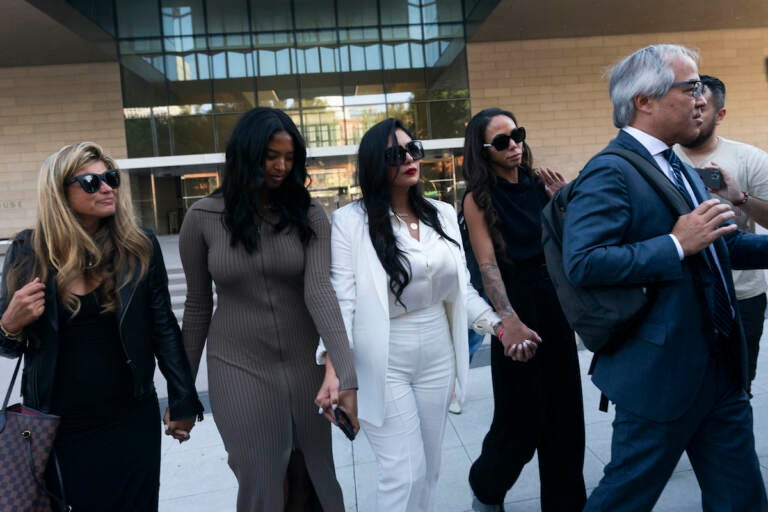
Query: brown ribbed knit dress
point(272, 306)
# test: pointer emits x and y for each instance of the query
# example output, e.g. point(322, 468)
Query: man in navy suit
point(678, 378)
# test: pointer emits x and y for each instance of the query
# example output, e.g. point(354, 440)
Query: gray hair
point(648, 71)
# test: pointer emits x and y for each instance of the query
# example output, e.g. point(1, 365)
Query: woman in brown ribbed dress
point(266, 246)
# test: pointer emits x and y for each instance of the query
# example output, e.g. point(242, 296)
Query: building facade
point(161, 83)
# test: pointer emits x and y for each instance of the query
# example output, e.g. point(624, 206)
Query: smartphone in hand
point(344, 423)
point(711, 177)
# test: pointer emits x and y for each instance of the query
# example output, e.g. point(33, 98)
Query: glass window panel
point(357, 58)
point(237, 64)
point(320, 90)
point(357, 13)
point(417, 55)
point(143, 85)
point(447, 11)
point(314, 14)
point(359, 118)
point(432, 51)
point(268, 16)
point(190, 97)
point(361, 86)
point(388, 56)
point(162, 130)
point(225, 16)
point(448, 118)
point(278, 92)
point(141, 46)
point(138, 138)
point(323, 127)
point(267, 63)
point(219, 64)
point(402, 56)
point(329, 60)
point(138, 18)
point(398, 12)
point(225, 123)
point(183, 43)
point(182, 17)
point(283, 58)
point(344, 58)
point(395, 33)
point(358, 35)
point(451, 78)
point(273, 40)
point(203, 66)
point(373, 57)
point(234, 95)
point(407, 81)
point(192, 134)
point(311, 60)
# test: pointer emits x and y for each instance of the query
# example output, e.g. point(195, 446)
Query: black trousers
point(537, 406)
point(752, 314)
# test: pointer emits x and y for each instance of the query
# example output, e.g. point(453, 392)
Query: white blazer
point(362, 287)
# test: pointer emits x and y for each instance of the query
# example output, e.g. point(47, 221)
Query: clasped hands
point(178, 429)
point(520, 343)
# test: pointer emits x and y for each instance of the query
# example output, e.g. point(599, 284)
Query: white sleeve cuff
point(484, 323)
point(680, 253)
point(320, 352)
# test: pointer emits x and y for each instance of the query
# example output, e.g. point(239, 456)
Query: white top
point(433, 272)
point(748, 166)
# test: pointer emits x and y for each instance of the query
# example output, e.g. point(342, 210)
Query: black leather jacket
point(148, 330)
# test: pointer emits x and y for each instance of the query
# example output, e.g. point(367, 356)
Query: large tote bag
point(26, 441)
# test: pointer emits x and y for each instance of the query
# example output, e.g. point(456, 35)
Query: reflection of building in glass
point(191, 67)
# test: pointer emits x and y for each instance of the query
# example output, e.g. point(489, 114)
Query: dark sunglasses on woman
point(395, 155)
point(501, 141)
point(91, 182)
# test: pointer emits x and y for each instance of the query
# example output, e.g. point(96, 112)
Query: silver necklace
point(413, 225)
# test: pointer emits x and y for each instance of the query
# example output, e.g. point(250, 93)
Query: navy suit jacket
point(616, 232)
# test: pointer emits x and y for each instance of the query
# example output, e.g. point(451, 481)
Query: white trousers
point(419, 385)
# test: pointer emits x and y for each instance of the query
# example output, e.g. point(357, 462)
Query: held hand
point(520, 342)
point(553, 180)
point(348, 402)
point(328, 395)
point(26, 306)
point(701, 227)
point(730, 191)
point(178, 429)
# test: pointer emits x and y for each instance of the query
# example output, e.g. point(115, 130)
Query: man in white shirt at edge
point(745, 178)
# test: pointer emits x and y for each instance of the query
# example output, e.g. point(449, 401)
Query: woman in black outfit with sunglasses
point(398, 269)
point(84, 299)
point(536, 389)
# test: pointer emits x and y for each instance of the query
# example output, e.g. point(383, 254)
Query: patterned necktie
point(722, 316)
point(677, 175)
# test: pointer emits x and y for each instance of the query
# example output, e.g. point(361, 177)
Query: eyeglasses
point(697, 88)
point(501, 141)
point(395, 155)
point(91, 182)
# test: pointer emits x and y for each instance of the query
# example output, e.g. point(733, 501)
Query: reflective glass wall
point(190, 67)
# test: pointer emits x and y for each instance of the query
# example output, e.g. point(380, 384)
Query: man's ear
point(643, 104)
point(720, 116)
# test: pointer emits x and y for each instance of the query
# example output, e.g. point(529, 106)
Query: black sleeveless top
point(92, 381)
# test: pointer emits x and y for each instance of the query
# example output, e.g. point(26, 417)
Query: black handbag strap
point(8, 395)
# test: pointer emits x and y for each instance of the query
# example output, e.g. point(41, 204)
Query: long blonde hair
point(119, 250)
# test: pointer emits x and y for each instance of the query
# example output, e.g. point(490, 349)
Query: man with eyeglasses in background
point(678, 376)
point(744, 169)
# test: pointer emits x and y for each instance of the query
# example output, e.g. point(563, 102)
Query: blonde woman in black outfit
point(537, 393)
point(84, 298)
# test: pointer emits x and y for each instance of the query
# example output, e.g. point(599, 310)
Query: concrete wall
point(42, 109)
point(556, 89)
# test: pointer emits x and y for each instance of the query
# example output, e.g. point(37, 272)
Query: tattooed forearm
point(494, 288)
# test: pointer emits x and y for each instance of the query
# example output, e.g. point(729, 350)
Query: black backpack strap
point(654, 177)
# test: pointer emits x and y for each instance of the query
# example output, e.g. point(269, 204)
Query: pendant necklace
point(413, 225)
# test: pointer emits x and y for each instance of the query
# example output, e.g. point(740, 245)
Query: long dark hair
point(243, 179)
point(479, 173)
point(373, 176)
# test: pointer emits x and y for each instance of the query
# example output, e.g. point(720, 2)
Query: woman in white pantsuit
point(398, 269)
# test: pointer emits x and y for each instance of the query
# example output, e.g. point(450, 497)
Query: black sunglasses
point(91, 182)
point(344, 423)
point(395, 155)
point(501, 141)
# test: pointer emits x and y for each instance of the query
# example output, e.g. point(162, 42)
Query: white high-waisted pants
point(419, 385)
